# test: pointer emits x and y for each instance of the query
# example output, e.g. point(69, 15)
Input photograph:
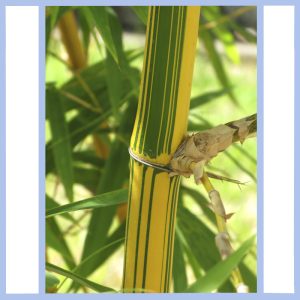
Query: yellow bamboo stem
point(160, 125)
point(71, 40)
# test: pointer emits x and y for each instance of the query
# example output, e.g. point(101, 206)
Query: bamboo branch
point(222, 238)
point(197, 150)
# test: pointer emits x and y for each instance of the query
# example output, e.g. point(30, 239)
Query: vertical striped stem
point(160, 125)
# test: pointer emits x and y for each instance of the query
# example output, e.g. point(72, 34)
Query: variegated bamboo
point(160, 125)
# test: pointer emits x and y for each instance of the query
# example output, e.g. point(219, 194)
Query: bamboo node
point(160, 167)
point(217, 205)
point(223, 244)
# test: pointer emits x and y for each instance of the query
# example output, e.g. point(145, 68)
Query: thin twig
point(80, 101)
point(224, 19)
point(222, 238)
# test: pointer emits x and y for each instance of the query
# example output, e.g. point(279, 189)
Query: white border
point(278, 149)
point(22, 144)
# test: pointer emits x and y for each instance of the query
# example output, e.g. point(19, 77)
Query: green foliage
point(220, 272)
point(51, 282)
point(61, 147)
point(76, 278)
point(99, 102)
point(103, 200)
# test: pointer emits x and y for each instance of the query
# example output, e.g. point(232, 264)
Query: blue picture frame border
point(41, 4)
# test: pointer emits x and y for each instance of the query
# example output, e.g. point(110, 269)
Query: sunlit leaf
point(221, 271)
point(141, 12)
point(76, 278)
point(216, 61)
point(56, 240)
point(62, 151)
point(99, 15)
point(51, 282)
point(179, 267)
point(207, 98)
point(103, 200)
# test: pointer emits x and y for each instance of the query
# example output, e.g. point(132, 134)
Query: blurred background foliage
point(94, 57)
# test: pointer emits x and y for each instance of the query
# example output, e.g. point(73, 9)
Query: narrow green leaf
point(62, 151)
point(88, 177)
point(76, 278)
point(239, 165)
point(201, 201)
point(114, 76)
point(51, 203)
point(190, 256)
point(114, 84)
point(100, 18)
point(141, 12)
point(85, 29)
point(88, 157)
point(200, 241)
point(244, 32)
point(109, 246)
point(179, 270)
point(216, 61)
point(207, 97)
point(221, 271)
point(103, 200)
point(51, 282)
point(223, 33)
point(192, 126)
point(55, 239)
point(95, 259)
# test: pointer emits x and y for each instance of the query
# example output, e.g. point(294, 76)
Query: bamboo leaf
point(179, 269)
point(85, 29)
point(244, 32)
point(62, 151)
point(141, 12)
point(114, 81)
point(113, 70)
point(221, 271)
point(103, 200)
point(108, 246)
point(51, 203)
point(88, 177)
point(51, 282)
point(217, 63)
point(223, 33)
point(88, 157)
point(55, 239)
point(76, 278)
point(200, 241)
point(201, 201)
point(207, 97)
point(95, 259)
point(100, 18)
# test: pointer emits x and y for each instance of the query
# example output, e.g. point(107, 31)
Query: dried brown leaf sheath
point(198, 149)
